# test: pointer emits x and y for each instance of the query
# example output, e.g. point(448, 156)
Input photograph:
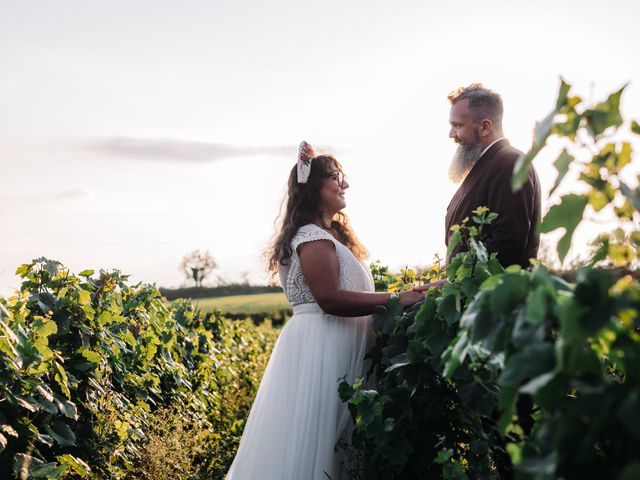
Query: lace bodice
point(354, 273)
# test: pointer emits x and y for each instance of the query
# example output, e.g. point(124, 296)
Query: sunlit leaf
point(84, 297)
point(561, 164)
point(23, 269)
point(454, 241)
point(93, 357)
point(568, 215)
point(77, 465)
point(563, 94)
point(605, 114)
point(541, 132)
point(598, 199)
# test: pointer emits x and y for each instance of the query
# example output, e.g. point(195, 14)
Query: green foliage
point(382, 278)
point(568, 215)
point(86, 362)
point(406, 279)
point(512, 373)
point(587, 133)
point(542, 131)
point(420, 421)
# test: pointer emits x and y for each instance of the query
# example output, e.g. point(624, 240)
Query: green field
point(255, 303)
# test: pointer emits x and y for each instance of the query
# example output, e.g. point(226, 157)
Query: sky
point(132, 133)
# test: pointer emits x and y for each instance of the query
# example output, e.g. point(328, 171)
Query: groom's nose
point(452, 133)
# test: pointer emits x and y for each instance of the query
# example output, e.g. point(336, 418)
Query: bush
point(89, 365)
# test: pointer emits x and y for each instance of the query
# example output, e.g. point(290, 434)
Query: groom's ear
point(486, 126)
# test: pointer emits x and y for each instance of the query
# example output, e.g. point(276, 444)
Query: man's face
point(464, 129)
point(465, 132)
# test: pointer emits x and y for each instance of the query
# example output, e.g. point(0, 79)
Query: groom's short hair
point(483, 102)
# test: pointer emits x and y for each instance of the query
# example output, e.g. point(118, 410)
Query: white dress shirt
point(490, 145)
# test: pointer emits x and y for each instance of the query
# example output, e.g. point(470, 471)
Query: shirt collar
point(490, 145)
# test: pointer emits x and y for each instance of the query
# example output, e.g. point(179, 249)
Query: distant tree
point(197, 265)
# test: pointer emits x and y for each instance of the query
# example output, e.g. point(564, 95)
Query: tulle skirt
point(297, 416)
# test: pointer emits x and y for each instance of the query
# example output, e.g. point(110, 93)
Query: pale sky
point(134, 132)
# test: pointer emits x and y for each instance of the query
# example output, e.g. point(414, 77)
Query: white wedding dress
point(297, 415)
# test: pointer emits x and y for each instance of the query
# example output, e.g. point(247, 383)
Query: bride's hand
point(410, 297)
point(438, 284)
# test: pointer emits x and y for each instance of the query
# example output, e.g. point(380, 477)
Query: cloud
point(187, 151)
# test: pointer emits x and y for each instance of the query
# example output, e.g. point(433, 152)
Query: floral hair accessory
point(305, 155)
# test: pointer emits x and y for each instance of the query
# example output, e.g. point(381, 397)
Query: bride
point(297, 416)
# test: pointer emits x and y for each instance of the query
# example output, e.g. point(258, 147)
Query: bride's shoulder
point(309, 227)
point(309, 232)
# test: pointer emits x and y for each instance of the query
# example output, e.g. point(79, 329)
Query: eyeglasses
point(339, 177)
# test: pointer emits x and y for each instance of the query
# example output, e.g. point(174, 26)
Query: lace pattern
point(354, 274)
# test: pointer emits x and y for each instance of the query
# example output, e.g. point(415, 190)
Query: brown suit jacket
point(513, 234)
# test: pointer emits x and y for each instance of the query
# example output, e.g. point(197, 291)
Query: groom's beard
point(463, 160)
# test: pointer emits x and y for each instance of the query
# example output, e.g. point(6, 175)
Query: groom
point(483, 166)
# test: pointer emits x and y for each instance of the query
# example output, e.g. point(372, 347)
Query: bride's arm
point(321, 269)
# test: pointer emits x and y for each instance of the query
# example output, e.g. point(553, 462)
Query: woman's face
point(332, 191)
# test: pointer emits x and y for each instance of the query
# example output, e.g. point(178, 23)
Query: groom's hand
point(438, 284)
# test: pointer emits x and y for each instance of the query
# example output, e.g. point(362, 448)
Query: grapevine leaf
point(561, 164)
point(568, 215)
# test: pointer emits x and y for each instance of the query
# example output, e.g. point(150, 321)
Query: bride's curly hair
point(302, 207)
